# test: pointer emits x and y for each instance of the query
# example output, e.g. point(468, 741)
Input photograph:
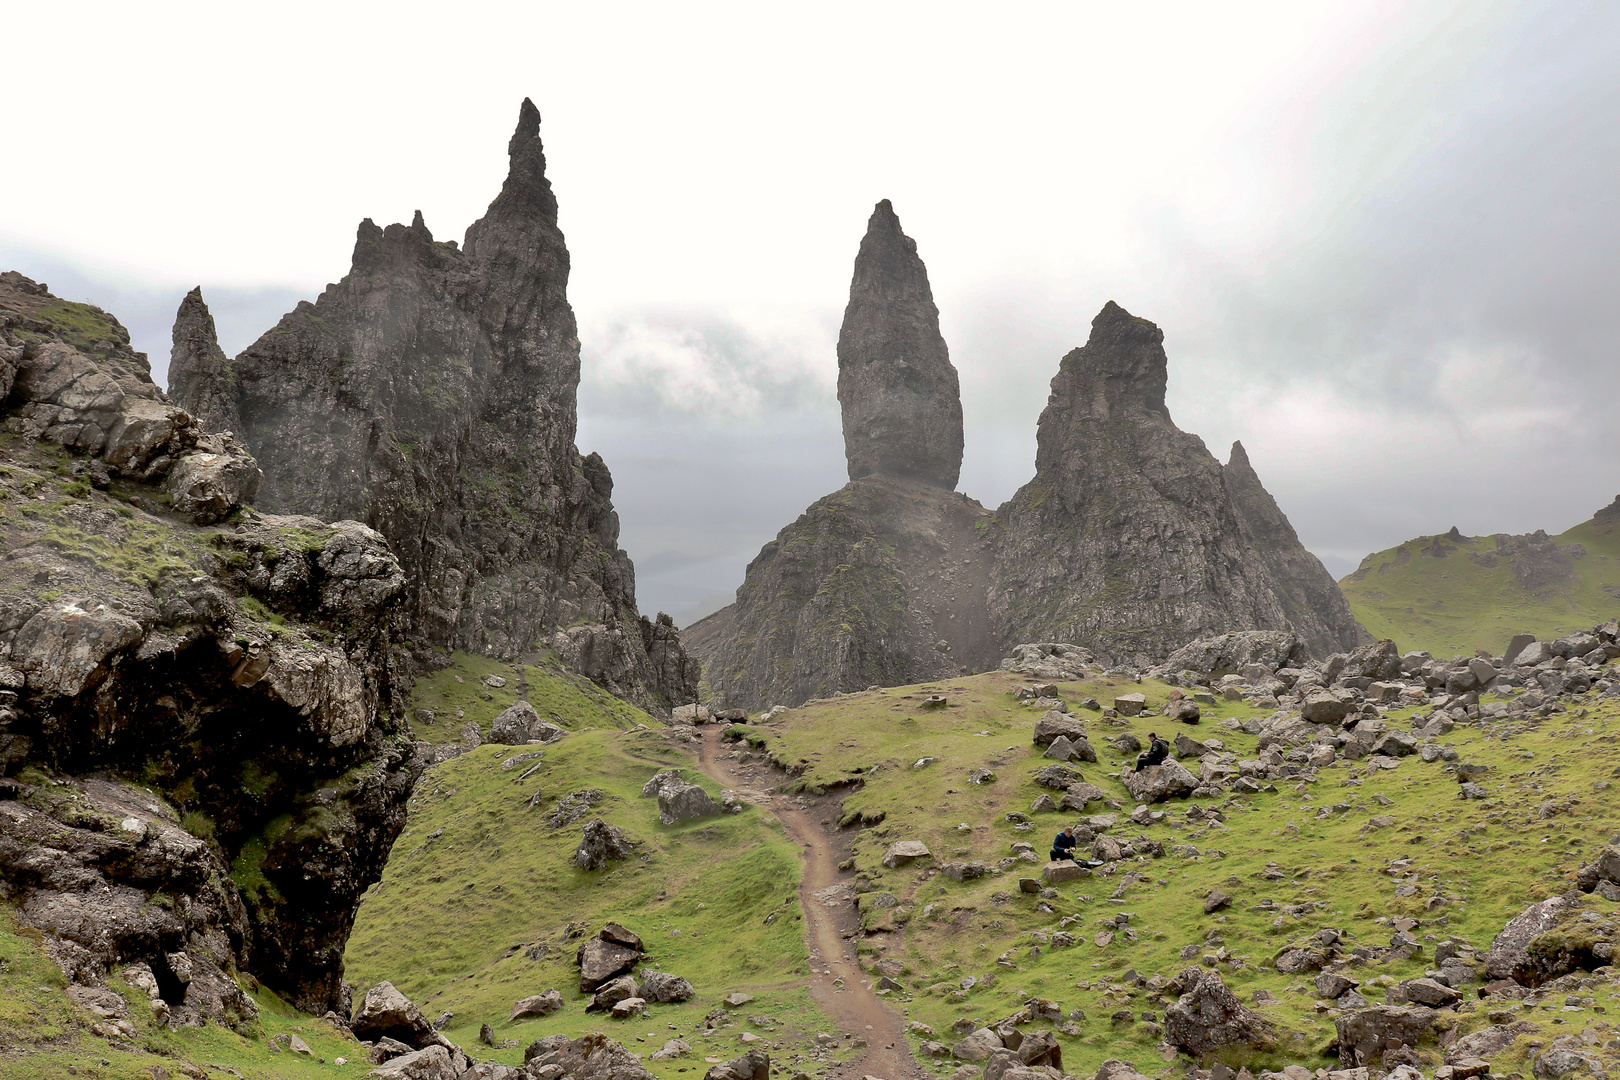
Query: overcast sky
point(1381, 238)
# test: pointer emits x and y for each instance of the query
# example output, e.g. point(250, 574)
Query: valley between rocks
point(826, 896)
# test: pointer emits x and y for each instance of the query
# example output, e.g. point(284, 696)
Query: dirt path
point(837, 982)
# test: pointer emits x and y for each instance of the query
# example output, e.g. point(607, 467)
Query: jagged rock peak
point(1122, 366)
point(901, 400)
point(526, 185)
point(1316, 608)
point(432, 394)
point(197, 367)
point(1609, 514)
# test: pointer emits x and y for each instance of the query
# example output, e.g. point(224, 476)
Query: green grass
point(477, 881)
point(1453, 603)
point(1486, 859)
point(570, 700)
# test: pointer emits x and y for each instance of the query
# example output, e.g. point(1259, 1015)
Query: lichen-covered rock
point(1127, 539)
point(536, 1006)
point(902, 406)
point(432, 394)
point(1207, 1016)
point(385, 1013)
point(1511, 955)
point(1231, 652)
point(754, 1065)
point(663, 987)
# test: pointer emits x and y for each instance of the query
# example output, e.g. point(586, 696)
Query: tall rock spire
point(198, 372)
point(901, 400)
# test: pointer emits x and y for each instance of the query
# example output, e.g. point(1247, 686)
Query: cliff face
point(431, 394)
point(1127, 540)
point(881, 582)
point(194, 717)
point(1316, 608)
point(902, 406)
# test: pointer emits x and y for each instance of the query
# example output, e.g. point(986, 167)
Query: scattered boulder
point(602, 844)
point(664, 988)
point(903, 852)
point(680, 801)
point(611, 993)
point(612, 953)
point(1429, 992)
point(1207, 1015)
point(977, 1045)
point(518, 724)
point(532, 1008)
point(591, 1057)
point(1511, 957)
point(1156, 783)
point(385, 1013)
point(431, 1063)
point(1364, 1035)
point(754, 1065)
point(1130, 704)
point(1055, 724)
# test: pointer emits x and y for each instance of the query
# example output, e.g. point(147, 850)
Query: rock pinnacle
point(902, 405)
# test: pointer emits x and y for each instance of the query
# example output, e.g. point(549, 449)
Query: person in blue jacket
point(1063, 845)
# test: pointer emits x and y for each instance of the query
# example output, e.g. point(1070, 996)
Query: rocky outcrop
point(242, 676)
point(199, 373)
point(1206, 1016)
point(901, 402)
point(882, 582)
point(1317, 611)
point(1127, 540)
point(432, 395)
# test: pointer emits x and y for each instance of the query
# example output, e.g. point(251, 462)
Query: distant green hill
point(1451, 594)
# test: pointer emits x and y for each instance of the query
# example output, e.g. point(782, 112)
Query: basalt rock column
point(1126, 540)
point(1315, 606)
point(902, 405)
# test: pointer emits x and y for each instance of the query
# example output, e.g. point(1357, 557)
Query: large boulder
point(1511, 955)
point(1364, 1035)
point(977, 1045)
point(532, 1008)
point(903, 852)
point(207, 487)
point(662, 987)
point(385, 1013)
point(1207, 1016)
point(1326, 707)
point(600, 960)
point(1056, 723)
point(681, 801)
point(518, 723)
point(1156, 783)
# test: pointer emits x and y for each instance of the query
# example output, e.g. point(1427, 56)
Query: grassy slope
point(477, 880)
point(457, 694)
point(43, 1034)
point(1454, 605)
point(1488, 859)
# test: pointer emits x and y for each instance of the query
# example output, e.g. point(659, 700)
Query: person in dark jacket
point(1063, 845)
point(1155, 754)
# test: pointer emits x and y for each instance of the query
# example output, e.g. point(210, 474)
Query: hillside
point(1452, 594)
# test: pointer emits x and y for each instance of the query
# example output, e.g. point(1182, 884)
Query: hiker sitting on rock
point(1063, 845)
point(1155, 754)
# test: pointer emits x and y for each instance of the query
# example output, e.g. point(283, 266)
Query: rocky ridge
point(432, 395)
point(200, 771)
